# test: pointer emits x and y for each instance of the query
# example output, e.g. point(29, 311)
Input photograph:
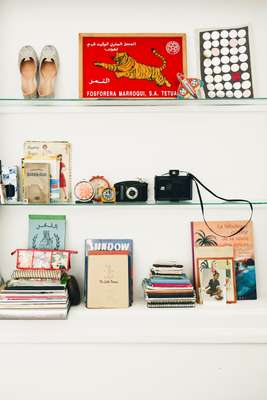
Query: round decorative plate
point(84, 191)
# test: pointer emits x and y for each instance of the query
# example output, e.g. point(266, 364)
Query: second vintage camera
point(131, 191)
point(173, 186)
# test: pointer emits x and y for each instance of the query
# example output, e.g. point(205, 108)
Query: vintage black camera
point(173, 186)
point(131, 191)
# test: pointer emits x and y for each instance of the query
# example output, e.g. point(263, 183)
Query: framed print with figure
point(216, 280)
point(131, 66)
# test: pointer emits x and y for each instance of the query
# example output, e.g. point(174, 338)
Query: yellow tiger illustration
point(127, 67)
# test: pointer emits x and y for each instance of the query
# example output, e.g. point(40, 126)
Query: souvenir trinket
point(84, 191)
point(108, 195)
point(190, 88)
point(99, 183)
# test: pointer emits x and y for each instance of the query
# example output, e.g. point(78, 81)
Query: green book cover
point(47, 232)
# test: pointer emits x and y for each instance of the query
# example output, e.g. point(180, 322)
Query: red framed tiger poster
point(131, 65)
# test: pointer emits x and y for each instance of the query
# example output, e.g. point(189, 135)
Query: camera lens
point(131, 193)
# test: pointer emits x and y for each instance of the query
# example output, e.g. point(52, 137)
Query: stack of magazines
point(168, 287)
point(36, 294)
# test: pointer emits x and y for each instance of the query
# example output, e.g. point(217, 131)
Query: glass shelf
point(138, 204)
point(123, 102)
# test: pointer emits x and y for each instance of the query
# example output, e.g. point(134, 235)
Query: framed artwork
point(225, 63)
point(131, 65)
point(216, 277)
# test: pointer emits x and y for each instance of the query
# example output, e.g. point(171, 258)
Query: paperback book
point(47, 232)
point(54, 174)
point(36, 183)
point(108, 273)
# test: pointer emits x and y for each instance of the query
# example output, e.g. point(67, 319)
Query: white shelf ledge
point(238, 204)
point(244, 322)
point(18, 105)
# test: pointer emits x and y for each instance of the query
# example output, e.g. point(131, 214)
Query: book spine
point(69, 195)
point(2, 194)
point(149, 305)
point(22, 190)
point(170, 281)
point(184, 285)
point(193, 254)
point(49, 314)
point(85, 278)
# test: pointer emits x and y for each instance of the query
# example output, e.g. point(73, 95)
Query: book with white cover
point(40, 313)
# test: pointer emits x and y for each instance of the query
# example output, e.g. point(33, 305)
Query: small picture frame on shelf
point(131, 66)
point(216, 280)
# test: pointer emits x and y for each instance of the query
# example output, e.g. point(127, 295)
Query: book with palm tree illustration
point(47, 232)
point(244, 257)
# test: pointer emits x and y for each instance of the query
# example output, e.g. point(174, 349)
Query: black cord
point(197, 183)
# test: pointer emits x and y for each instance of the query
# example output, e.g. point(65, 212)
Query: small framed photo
point(216, 280)
point(131, 66)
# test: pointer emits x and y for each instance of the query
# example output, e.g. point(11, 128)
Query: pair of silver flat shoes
point(38, 76)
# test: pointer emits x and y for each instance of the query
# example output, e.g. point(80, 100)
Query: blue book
point(47, 232)
point(174, 281)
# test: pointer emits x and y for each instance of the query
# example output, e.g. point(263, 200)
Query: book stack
point(34, 295)
point(168, 287)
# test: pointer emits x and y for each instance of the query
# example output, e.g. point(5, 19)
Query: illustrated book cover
point(47, 232)
point(215, 274)
point(45, 150)
point(37, 183)
point(243, 247)
point(54, 174)
point(108, 273)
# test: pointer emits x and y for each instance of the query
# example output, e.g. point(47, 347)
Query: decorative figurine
point(190, 88)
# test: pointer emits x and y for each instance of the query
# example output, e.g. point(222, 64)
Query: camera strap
point(198, 183)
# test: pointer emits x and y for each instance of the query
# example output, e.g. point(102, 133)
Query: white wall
point(135, 372)
point(58, 22)
point(225, 148)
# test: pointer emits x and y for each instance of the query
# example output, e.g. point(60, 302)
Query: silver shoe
point(48, 68)
point(28, 66)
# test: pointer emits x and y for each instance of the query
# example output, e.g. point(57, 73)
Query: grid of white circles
point(225, 52)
